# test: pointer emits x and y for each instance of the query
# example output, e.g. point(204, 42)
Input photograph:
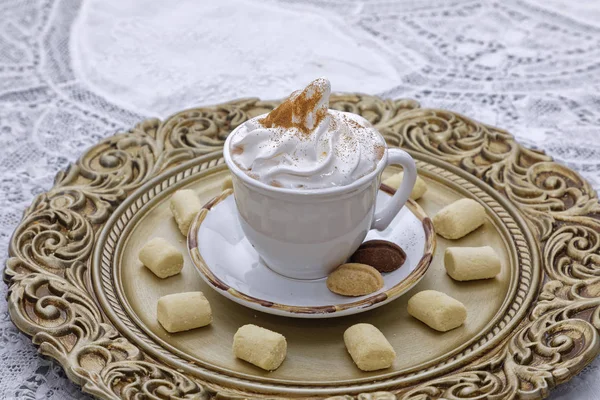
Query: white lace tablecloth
point(73, 72)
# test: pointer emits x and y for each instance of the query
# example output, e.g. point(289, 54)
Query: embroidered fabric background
point(73, 72)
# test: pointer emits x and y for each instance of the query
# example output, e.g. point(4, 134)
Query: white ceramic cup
point(307, 233)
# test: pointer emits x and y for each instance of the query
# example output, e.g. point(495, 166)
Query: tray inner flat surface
point(316, 352)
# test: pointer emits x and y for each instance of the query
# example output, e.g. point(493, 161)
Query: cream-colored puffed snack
point(418, 190)
point(161, 257)
point(438, 310)
point(354, 279)
point(183, 311)
point(259, 346)
point(184, 207)
point(369, 349)
point(470, 263)
point(227, 183)
point(459, 219)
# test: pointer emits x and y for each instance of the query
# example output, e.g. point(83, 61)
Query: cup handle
point(384, 217)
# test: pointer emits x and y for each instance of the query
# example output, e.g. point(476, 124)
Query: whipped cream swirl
point(303, 144)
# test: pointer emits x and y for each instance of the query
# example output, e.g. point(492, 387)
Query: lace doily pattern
point(528, 66)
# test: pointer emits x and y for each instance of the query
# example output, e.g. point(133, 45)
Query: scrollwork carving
point(65, 322)
point(572, 254)
point(546, 191)
point(367, 396)
point(146, 380)
point(547, 352)
point(205, 129)
point(477, 385)
point(544, 353)
point(50, 241)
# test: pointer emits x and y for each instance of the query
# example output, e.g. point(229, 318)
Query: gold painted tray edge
point(51, 299)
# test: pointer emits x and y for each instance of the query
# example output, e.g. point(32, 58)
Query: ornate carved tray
point(77, 288)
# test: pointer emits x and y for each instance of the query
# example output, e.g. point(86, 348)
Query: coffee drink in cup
point(302, 144)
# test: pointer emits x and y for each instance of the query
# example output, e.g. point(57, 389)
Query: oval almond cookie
point(354, 279)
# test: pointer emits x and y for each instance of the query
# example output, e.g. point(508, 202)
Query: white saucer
point(229, 264)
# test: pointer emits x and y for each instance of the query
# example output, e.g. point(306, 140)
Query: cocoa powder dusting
point(293, 112)
point(333, 125)
point(379, 151)
point(354, 124)
point(238, 149)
